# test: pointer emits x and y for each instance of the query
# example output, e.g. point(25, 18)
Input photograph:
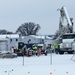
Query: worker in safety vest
point(34, 47)
point(56, 46)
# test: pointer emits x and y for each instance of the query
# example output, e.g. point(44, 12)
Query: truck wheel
point(70, 52)
point(45, 53)
point(61, 52)
point(56, 52)
point(36, 53)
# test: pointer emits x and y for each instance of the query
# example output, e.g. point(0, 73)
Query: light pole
point(23, 47)
point(23, 52)
point(51, 56)
point(23, 55)
point(49, 45)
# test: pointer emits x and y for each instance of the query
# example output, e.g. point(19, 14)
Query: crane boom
point(66, 15)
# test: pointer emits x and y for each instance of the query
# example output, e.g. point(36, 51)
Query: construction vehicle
point(65, 32)
point(66, 45)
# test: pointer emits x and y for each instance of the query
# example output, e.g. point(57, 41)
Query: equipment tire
point(46, 53)
point(70, 52)
point(61, 52)
point(56, 52)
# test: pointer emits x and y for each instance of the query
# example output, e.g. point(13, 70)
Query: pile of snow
point(7, 54)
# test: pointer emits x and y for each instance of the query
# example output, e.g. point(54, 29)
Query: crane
point(64, 16)
point(65, 34)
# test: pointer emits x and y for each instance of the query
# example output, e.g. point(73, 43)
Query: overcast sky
point(13, 13)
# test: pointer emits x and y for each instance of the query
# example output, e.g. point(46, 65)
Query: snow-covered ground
point(61, 65)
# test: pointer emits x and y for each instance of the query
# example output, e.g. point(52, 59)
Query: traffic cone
point(8, 73)
point(66, 72)
point(50, 73)
point(23, 64)
point(26, 54)
point(28, 72)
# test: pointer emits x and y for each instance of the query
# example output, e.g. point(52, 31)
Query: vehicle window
point(70, 36)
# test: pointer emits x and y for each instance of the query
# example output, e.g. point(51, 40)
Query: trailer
point(3, 45)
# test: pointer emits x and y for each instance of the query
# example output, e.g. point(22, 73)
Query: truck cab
point(66, 44)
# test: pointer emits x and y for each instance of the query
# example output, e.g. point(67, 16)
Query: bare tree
point(28, 29)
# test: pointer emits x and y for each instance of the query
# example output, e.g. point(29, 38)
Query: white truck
point(65, 32)
point(66, 44)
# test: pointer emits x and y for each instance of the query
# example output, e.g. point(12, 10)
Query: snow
point(9, 36)
point(61, 65)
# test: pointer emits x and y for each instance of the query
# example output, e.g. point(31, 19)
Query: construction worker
point(34, 47)
point(39, 51)
point(56, 46)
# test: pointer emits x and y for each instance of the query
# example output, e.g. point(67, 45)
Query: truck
point(66, 33)
point(66, 43)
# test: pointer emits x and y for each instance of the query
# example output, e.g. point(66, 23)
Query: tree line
point(25, 29)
